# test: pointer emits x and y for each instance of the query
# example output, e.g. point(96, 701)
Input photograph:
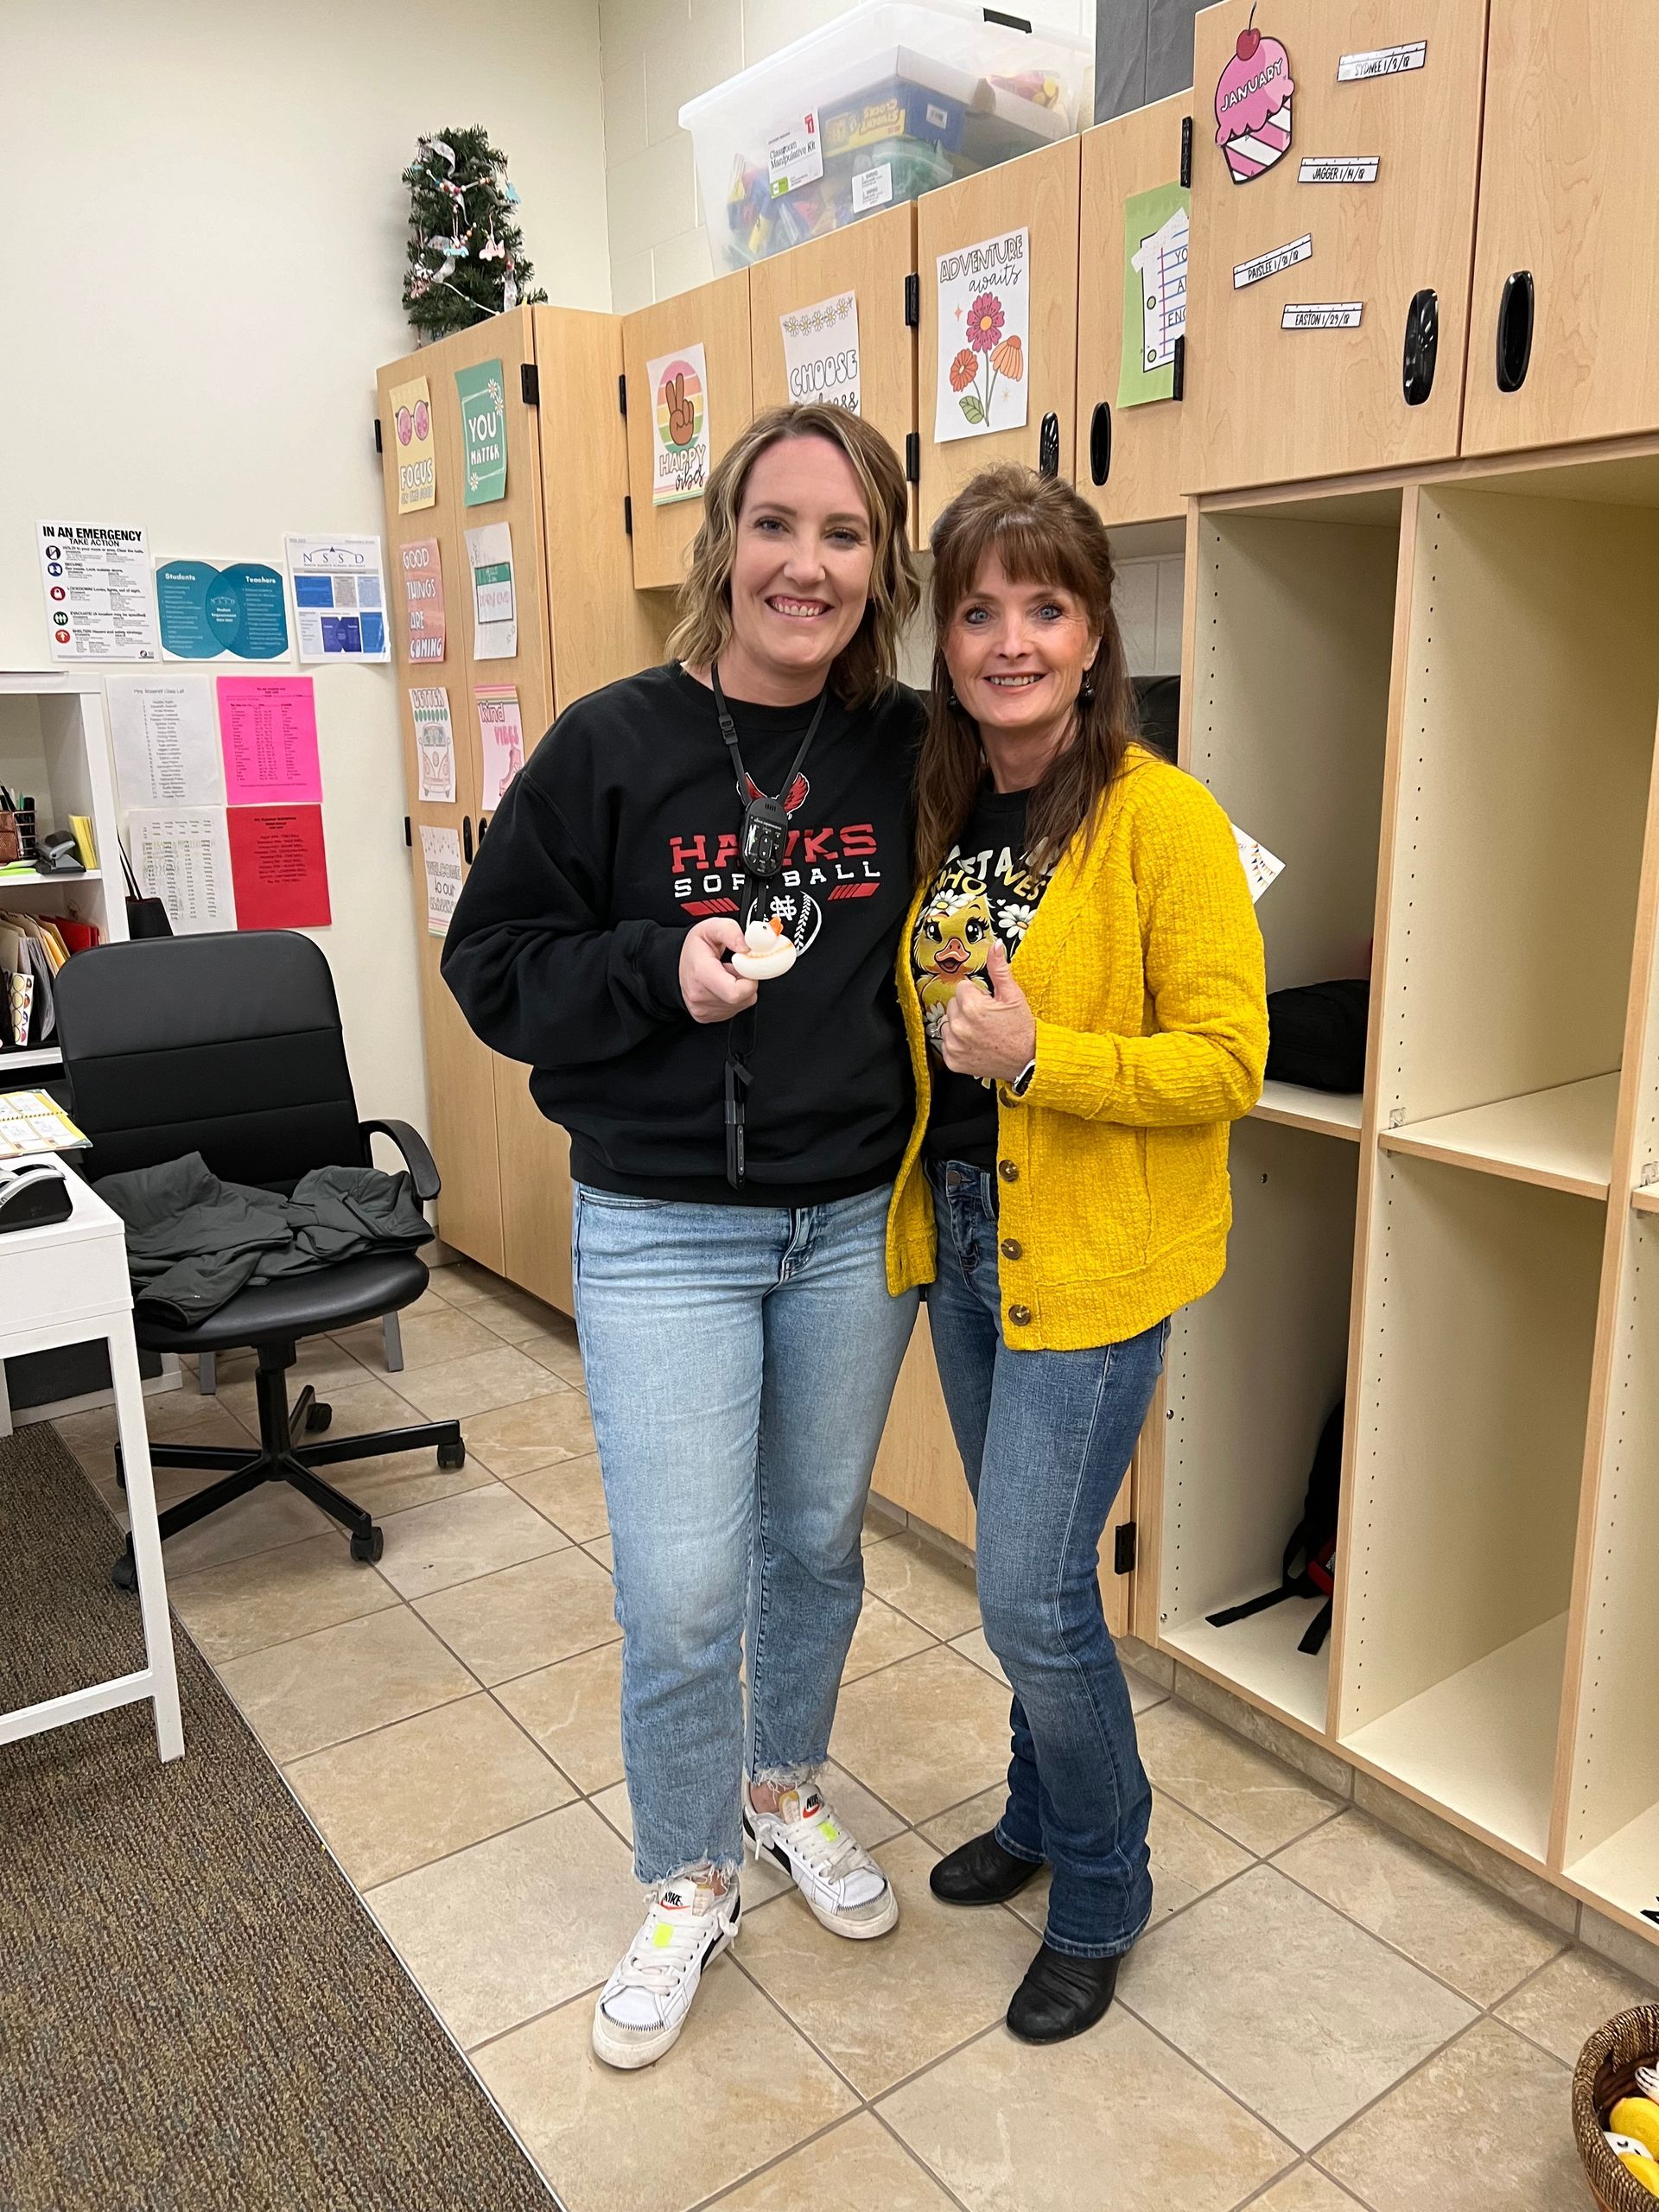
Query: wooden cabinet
point(1564, 331)
point(1268, 404)
point(1038, 193)
point(506, 1199)
point(1128, 459)
point(874, 260)
point(716, 317)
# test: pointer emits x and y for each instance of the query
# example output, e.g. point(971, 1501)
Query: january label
point(1339, 314)
point(1382, 61)
point(1269, 264)
point(1361, 169)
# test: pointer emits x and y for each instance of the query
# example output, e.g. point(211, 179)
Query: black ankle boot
point(980, 1871)
point(1061, 1996)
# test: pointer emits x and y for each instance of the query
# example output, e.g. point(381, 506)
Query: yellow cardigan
point(1143, 966)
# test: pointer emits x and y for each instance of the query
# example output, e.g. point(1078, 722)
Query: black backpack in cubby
point(1314, 1542)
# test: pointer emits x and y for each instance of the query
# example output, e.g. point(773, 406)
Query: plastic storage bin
point(876, 108)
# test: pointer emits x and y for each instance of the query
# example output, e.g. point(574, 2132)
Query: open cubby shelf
point(1436, 701)
point(1562, 1138)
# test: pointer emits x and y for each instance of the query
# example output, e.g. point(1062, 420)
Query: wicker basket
point(1605, 2072)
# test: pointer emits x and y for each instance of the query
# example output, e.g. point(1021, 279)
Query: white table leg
point(146, 1541)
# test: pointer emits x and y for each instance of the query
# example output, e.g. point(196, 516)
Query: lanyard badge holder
point(764, 842)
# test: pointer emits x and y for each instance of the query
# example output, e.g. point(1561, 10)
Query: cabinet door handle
point(1515, 320)
point(1422, 345)
point(1048, 447)
point(467, 836)
point(1100, 442)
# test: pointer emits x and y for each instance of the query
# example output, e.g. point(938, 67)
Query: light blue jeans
point(1046, 1438)
point(740, 1361)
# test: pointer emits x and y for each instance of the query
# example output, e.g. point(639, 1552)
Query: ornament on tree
point(466, 258)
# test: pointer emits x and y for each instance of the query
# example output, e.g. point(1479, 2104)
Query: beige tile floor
point(1322, 2015)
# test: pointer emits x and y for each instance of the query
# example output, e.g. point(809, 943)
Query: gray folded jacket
point(193, 1242)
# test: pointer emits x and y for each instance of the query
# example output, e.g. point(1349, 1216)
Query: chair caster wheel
point(124, 1572)
point(452, 1455)
point(368, 1548)
point(317, 1417)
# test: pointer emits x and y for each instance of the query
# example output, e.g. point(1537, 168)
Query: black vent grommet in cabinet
point(1100, 443)
point(1422, 346)
point(1048, 447)
point(1515, 320)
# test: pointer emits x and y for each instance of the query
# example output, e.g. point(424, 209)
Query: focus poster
point(411, 430)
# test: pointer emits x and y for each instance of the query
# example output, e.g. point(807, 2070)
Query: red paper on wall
point(277, 867)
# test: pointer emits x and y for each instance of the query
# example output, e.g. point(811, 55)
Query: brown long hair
point(1042, 532)
point(867, 665)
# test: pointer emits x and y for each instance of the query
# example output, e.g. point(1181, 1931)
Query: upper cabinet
point(1131, 285)
point(1335, 146)
point(997, 361)
point(829, 322)
point(689, 391)
point(1563, 341)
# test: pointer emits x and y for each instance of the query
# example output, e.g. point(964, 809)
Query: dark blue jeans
point(1045, 1438)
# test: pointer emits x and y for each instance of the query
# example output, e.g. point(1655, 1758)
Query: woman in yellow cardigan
point(1082, 986)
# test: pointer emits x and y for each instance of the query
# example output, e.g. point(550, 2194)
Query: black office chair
point(230, 1046)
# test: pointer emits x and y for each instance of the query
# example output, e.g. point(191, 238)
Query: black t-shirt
point(619, 833)
point(983, 890)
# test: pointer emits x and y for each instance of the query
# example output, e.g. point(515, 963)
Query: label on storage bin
point(795, 156)
point(1340, 314)
point(872, 187)
point(1355, 169)
point(1382, 61)
point(1246, 273)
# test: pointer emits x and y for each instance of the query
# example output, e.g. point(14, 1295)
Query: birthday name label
point(1382, 61)
point(1357, 169)
point(1339, 314)
point(1269, 264)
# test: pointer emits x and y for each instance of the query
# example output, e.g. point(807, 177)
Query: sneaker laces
point(820, 1838)
point(667, 1945)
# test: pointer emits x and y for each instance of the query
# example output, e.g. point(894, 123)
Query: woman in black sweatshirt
point(733, 1142)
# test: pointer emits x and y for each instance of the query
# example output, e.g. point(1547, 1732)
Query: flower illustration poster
point(984, 326)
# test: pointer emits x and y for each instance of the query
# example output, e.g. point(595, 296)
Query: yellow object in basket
point(1645, 2170)
point(1637, 2117)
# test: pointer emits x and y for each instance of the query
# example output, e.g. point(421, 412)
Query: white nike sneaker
point(643, 2006)
point(845, 1888)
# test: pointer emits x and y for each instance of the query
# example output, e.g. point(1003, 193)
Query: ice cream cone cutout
point(1253, 105)
point(769, 953)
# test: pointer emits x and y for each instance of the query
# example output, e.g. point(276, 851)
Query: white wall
point(200, 259)
point(655, 55)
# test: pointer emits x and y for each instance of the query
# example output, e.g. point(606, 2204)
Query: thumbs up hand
point(991, 1034)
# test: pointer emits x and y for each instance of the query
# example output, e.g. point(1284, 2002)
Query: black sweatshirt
point(619, 834)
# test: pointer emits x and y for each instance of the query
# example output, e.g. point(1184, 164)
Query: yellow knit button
point(1019, 1315)
point(1012, 1248)
point(1007, 1170)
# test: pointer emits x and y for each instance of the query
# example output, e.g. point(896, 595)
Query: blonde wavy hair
point(867, 665)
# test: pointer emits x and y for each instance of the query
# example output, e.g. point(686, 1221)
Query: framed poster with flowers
point(984, 326)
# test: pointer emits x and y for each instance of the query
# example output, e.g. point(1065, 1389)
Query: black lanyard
point(765, 840)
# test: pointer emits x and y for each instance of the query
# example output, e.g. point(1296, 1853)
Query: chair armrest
point(417, 1158)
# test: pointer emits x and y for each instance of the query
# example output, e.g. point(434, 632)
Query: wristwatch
point(1021, 1083)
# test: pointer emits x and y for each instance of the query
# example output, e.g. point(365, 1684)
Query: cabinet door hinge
point(628, 516)
point(912, 301)
point(1187, 150)
point(530, 384)
point(1178, 369)
point(912, 457)
point(408, 835)
point(1123, 1548)
point(622, 397)
point(377, 446)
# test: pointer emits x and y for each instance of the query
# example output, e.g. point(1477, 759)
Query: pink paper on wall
point(268, 733)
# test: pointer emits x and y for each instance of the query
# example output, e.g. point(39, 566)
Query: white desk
point(66, 1284)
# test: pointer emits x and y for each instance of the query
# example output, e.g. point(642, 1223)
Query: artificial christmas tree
point(466, 251)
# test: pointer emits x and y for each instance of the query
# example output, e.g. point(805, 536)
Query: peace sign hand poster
point(679, 403)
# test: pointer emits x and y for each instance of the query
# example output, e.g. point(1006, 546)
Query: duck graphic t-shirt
point(983, 894)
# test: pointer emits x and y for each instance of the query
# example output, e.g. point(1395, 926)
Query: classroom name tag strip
point(1337, 315)
point(1247, 273)
point(1382, 61)
point(1357, 169)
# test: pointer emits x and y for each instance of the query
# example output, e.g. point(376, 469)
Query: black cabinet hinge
point(1187, 150)
point(530, 384)
point(912, 457)
point(628, 516)
point(622, 397)
point(377, 446)
point(1178, 370)
point(408, 835)
point(466, 838)
point(912, 301)
point(1123, 1548)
